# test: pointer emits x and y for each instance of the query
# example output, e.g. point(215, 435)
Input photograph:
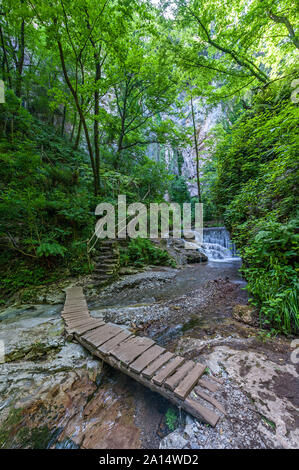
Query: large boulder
point(177, 248)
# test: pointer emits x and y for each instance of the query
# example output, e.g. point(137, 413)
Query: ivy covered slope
point(47, 202)
point(257, 191)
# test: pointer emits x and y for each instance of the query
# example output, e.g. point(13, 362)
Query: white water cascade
point(216, 244)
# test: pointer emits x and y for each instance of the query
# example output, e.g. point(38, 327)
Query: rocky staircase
point(106, 260)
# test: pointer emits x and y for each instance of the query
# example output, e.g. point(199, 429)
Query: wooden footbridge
point(168, 374)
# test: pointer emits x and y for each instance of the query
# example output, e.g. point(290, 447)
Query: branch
point(284, 20)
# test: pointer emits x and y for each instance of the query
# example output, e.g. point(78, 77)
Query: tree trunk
point(196, 151)
point(73, 128)
point(77, 141)
point(5, 59)
point(63, 120)
point(20, 61)
point(82, 117)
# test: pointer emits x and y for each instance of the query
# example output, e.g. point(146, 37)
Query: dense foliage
point(255, 189)
point(47, 202)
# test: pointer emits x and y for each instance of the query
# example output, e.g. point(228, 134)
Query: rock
point(195, 257)
point(175, 440)
point(189, 420)
point(188, 236)
point(184, 252)
point(245, 314)
point(129, 270)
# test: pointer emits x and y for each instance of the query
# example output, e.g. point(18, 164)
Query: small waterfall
point(216, 244)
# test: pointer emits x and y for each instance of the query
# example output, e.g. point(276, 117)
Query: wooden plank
point(80, 330)
point(174, 380)
point(157, 364)
point(146, 358)
point(90, 335)
point(129, 350)
point(75, 317)
point(75, 312)
point(103, 334)
point(159, 378)
point(74, 308)
point(84, 321)
point(186, 385)
point(211, 400)
point(106, 347)
point(199, 411)
point(209, 385)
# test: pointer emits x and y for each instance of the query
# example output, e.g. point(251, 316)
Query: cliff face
point(206, 118)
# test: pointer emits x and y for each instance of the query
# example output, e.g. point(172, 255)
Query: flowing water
point(216, 244)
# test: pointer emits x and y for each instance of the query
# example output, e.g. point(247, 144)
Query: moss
point(192, 323)
point(9, 427)
point(15, 434)
point(35, 438)
point(35, 351)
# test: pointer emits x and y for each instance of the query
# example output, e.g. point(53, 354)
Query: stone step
point(105, 265)
point(104, 272)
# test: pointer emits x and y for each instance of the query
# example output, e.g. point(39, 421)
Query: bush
point(141, 252)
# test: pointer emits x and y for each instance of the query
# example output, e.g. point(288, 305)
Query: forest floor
point(54, 394)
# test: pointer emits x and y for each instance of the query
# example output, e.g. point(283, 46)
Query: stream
point(54, 394)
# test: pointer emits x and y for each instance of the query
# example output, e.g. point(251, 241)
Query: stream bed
point(55, 394)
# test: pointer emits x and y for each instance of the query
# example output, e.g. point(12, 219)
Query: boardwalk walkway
point(170, 375)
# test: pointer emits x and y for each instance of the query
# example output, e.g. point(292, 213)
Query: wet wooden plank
point(186, 385)
point(103, 334)
point(146, 358)
point(211, 400)
point(174, 380)
point(199, 411)
point(157, 364)
point(106, 347)
point(164, 373)
point(209, 385)
point(129, 350)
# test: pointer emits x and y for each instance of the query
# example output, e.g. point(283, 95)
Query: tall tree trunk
point(5, 59)
point(73, 127)
point(96, 122)
point(20, 61)
point(77, 141)
point(196, 151)
point(82, 117)
point(63, 119)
